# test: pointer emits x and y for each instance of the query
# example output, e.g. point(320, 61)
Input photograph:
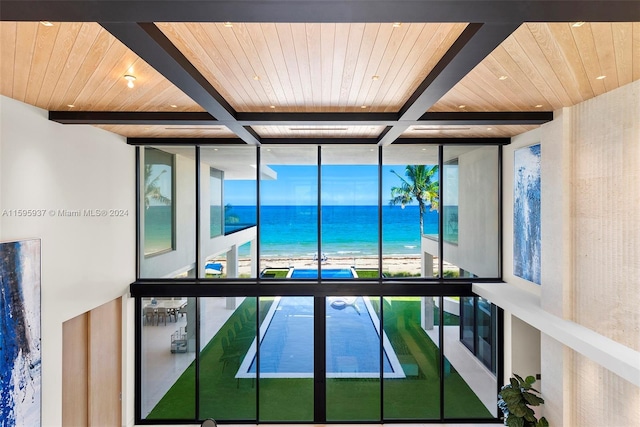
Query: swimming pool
point(353, 335)
point(330, 273)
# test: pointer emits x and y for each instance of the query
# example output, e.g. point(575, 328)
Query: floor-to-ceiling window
point(334, 299)
point(288, 210)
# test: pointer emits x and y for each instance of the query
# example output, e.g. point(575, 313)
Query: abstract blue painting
point(20, 393)
point(526, 213)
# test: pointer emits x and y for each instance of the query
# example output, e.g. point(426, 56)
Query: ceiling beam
point(320, 10)
point(301, 119)
point(474, 44)
point(486, 118)
point(184, 141)
point(320, 141)
point(453, 141)
point(317, 119)
point(314, 141)
point(150, 44)
point(132, 118)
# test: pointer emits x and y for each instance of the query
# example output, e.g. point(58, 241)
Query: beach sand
point(390, 264)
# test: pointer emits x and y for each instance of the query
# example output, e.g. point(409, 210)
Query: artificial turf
point(224, 397)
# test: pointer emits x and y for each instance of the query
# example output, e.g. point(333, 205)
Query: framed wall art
point(20, 352)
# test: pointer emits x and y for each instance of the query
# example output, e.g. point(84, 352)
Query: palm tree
point(152, 190)
point(418, 185)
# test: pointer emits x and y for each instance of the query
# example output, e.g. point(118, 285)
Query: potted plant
point(515, 399)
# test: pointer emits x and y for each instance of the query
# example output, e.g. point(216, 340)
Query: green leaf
point(519, 411)
point(514, 383)
point(532, 399)
point(510, 394)
point(530, 379)
point(542, 422)
point(514, 400)
point(515, 422)
point(529, 416)
point(519, 378)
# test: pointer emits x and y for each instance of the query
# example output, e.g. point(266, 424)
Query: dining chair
point(150, 315)
point(162, 313)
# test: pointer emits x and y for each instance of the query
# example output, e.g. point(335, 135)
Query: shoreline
point(391, 263)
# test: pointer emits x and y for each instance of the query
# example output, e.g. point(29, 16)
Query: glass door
point(285, 362)
point(353, 358)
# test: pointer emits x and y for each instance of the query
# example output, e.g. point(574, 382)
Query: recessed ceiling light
point(397, 24)
point(578, 24)
point(130, 79)
point(173, 106)
point(71, 106)
point(601, 77)
point(424, 149)
point(256, 77)
point(227, 24)
point(461, 106)
point(47, 23)
point(215, 149)
point(503, 78)
point(272, 106)
point(363, 106)
point(539, 106)
point(375, 77)
point(489, 128)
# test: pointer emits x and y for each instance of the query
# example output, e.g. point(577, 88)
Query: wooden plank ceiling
point(314, 67)
point(550, 66)
point(326, 68)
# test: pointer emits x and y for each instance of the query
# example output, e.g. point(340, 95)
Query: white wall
point(211, 247)
point(86, 261)
point(477, 248)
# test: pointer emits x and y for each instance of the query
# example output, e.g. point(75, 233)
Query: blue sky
point(297, 185)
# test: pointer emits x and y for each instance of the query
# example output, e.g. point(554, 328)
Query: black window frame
point(318, 288)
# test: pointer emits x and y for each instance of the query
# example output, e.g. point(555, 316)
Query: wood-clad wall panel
point(75, 359)
point(92, 367)
point(105, 361)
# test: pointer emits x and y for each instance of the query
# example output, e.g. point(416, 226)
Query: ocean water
point(291, 231)
point(346, 230)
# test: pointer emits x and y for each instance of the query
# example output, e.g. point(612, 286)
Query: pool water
point(353, 341)
point(334, 273)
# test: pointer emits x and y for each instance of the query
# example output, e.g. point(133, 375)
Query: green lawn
point(224, 397)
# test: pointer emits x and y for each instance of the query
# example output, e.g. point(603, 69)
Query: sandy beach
point(391, 264)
